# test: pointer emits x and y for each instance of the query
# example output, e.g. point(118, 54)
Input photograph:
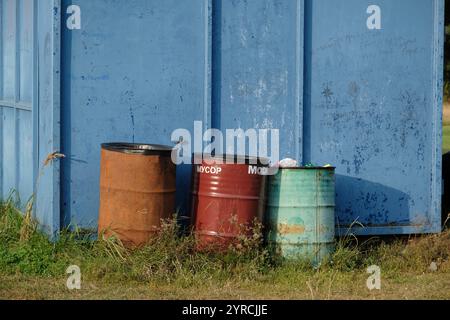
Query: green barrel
point(301, 212)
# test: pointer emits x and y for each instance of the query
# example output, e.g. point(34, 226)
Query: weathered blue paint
point(367, 101)
point(29, 108)
point(373, 108)
point(16, 98)
point(258, 64)
point(135, 71)
point(47, 119)
point(95, 92)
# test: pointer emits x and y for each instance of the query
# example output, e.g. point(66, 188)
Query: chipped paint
point(286, 229)
point(367, 101)
point(373, 115)
point(135, 82)
point(300, 212)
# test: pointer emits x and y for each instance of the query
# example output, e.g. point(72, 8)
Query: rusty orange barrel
point(137, 190)
point(227, 199)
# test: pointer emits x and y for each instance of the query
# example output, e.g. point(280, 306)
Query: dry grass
point(446, 114)
point(325, 286)
point(31, 267)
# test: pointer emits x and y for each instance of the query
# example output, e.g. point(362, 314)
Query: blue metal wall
point(258, 64)
point(134, 72)
point(16, 97)
point(373, 108)
point(340, 89)
point(47, 118)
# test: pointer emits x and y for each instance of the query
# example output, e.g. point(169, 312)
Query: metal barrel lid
point(137, 148)
point(231, 159)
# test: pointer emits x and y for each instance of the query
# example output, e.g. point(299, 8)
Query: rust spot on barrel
point(284, 228)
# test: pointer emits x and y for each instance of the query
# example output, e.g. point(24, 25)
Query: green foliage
point(168, 257)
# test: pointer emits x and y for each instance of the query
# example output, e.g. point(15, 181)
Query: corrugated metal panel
point(16, 97)
point(373, 108)
point(371, 103)
point(47, 118)
point(135, 71)
point(367, 101)
point(258, 64)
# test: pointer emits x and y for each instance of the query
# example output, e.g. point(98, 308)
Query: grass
point(169, 267)
point(446, 139)
point(446, 129)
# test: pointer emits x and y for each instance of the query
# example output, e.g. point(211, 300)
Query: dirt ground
point(331, 286)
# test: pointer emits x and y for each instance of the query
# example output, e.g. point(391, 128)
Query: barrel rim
point(261, 161)
point(136, 148)
point(308, 168)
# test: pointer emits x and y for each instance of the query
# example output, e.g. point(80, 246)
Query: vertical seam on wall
point(207, 89)
point(56, 91)
point(65, 175)
point(438, 34)
point(306, 110)
point(1, 98)
point(35, 98)
point(17, 95)
point(299, 83)
point(17, 92)
point(216, 64)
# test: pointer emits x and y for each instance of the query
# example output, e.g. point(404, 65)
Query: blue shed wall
point(47, 119)
point(367, 101)
point(373, 108)
point(134, 72)
point(258, 78)
point(16, 97)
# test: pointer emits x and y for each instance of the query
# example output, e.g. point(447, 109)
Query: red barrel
point(227, 199)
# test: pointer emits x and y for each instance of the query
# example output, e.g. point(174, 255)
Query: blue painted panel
point(26, 50)
point(25, 151)
point(373, 109)
point(367, 101)
point(47, 120)
point(9, 49)
point(134, 72)
point(9, 151)
point(24, 93)
point(16, 83)
point(258, 68)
